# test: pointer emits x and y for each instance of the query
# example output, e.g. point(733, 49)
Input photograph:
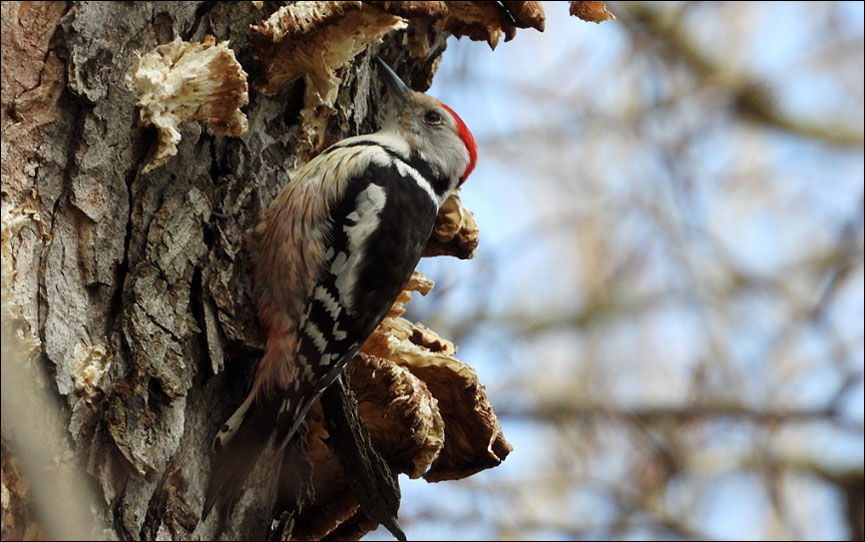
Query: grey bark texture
point(143, 308)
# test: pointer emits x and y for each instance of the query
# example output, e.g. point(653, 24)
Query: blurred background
point(667, 304)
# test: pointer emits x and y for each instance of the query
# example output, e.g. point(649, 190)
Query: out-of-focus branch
point(851, 482)
point(750, 96)
point(55, 485)
point(613, 306)
point(631, 517)
point(557, 412)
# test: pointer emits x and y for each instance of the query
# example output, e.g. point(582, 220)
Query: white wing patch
point(338, 264)
point(366, 218)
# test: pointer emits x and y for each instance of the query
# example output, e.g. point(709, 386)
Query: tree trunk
point(126, 290)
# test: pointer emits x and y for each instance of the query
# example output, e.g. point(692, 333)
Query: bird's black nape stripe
point(439, 184)
point(360, 143)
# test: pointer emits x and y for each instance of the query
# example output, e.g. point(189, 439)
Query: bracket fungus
point(473, 437)
point(591, 11)
point(315, 39)
point(188, 81)
point(312, 40)
point(455, 232)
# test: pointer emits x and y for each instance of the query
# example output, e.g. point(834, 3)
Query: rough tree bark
point(125, 291)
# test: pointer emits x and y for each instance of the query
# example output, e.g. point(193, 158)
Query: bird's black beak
point(394, 83)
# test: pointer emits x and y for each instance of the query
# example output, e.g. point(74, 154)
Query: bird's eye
point(432, 118)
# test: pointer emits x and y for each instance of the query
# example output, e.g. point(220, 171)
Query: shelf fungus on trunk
point(593, 12)
point(473, 437)
point(455, 232)
point(184, 81)
point(313, 40)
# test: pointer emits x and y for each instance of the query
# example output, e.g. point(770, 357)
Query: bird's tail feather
point(238, 444)
point(244, 436)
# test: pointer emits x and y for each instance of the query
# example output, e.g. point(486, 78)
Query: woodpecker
point(333, 251)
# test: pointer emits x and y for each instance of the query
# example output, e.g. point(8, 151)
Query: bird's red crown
point(468, 139)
